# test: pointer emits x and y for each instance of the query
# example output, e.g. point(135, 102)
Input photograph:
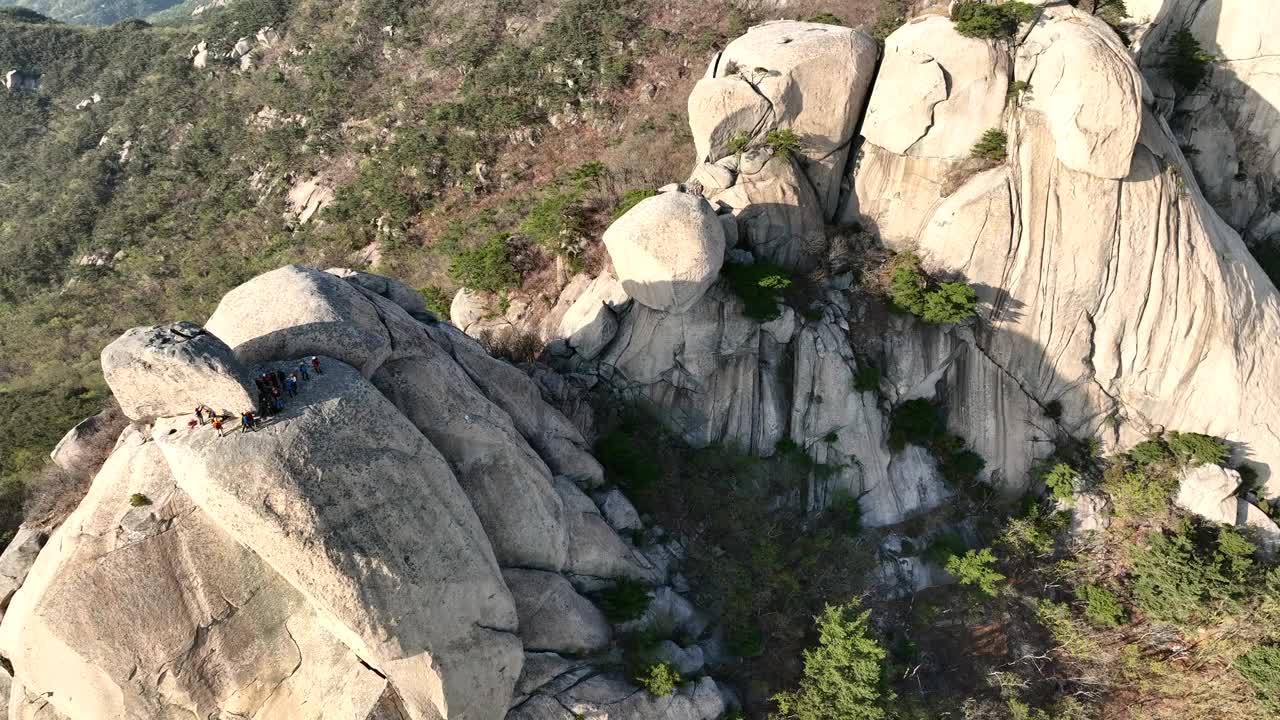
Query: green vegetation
point(626, 461)
point(87, 12)
point(438, 300)
point(739, 142)
point(842, 675)
point(915, 422)
point(630, 200)
point(557, 222)
point(1112, 11)
point(1261, 667)
point(760, 286)
point(976, 568)
point(760, 568)
point(487, 267)
point(1018, 88)
point(1187, 64)
point(891, 16)
point(139, 500)
point(1197, 449)
point(867, 378)
point(1190, 575)
point(982, 20)
point(911, 290)
point(784, 142)
point(625, 601)
point(1101, 607)
point(992, 146)
point(920, 422)
point(1061, 480)
point(660, 679)
point(826, 18)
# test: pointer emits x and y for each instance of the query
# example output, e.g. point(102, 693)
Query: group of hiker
point(272, 387)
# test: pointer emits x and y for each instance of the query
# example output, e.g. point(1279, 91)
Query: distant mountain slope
point(94, 12)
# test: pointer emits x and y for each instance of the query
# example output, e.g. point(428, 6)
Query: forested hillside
point(172, 187)
point(94, 12)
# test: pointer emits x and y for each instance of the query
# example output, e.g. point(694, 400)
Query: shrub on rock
point(660, 679)
point(992, 147)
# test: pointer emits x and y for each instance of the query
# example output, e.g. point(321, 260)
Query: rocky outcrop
point(296, 312)
point(667, 250)
point(169, 370)
point(554, 617)
point(388, 544)
point(1230, 124)
point(1215, 494)
point(1063, 248)
point(809, 78)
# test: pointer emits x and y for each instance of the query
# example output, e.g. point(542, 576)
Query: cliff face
point(1113, 300)
point(1230, 124)
point(388, 546)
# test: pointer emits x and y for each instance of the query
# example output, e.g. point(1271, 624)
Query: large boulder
point(667, 250)
point(553, 616)
point(147, 612)
point(937, 91)
point(350, 504)
point(169, 370)
point(560, 445)
point(591, 322)
point(88, 442)
point(809, 78)
point(1088, 89)
point(296, 312)
point(1214, 493)
point(397, 292)
point(777, 213)
point(467, 308)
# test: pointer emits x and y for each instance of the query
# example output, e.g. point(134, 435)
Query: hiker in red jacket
point(315, 365)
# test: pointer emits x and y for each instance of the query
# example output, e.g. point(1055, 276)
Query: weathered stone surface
point(383, 541)
point(596, 551)
point(1211, 491)
point(559, 444)
point(1231, 123)
point(1088, 88)
point(936, 92)
point(667, 250)
point(507, 483)
point(468, 308)
point(611, 696)
point(686, 661)
point(779, 217)
point(296, 312)
point(810, 78)
point(669, 609)
point(169, 370)
point(130, 652)
point(575, 501)
point(553, 617)
point(87, 442)
point(16, 561)
point(591, 322)
point(618, 511)
point(1084, 279)
point(394, 290)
